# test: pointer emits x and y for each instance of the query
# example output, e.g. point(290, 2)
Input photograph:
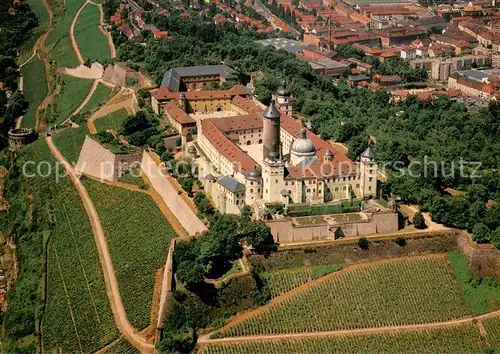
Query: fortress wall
point(123, 163)
point(484, 259)
point(386, 222)
point(368, 228)
point(96, 161)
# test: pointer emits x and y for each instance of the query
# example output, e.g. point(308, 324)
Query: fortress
point(250, 154)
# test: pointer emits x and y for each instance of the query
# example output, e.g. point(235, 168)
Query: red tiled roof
point(177, 113)
point(242, 162)
point(245, 104)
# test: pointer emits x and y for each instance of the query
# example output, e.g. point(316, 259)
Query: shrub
point(400, 241)
point(419, 221)
point(363, 243)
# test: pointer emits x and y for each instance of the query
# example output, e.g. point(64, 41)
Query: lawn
point(460, 339)
point(113, 121)
point(99, 97)
point(417, 290)
point(73, 93)
point(35, 90)
point(58, 41)
point(138, 238)
point(91, 42)
point(74, 277)
point(70, 141)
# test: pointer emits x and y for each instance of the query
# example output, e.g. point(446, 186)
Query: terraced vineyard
point(112, 121)
point(398, 292)
point(35, 89)
point(99, 97)
point(72, 95)
point(77, 317)
point(460, 339)
point(138, 238)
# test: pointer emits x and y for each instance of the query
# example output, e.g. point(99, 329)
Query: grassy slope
point(35, 89)
point(70, 142)
point(481, 295)
point(72, 95)
point(460, 339)
point(99, 97)
point(138, 238)
point(113, 121)
point(402, 292)
point(58, 203)
point(91, 42)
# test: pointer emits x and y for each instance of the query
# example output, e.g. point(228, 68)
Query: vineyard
point(112, 121)
point(460, 339)
point(77, 316)
point(281, 281)
point(99, 97)
point(138, 238)
point(34, 90)
point(492, 327)
point(91, 42)
point(397, 292)
point(73, 93)
point(122, 347)
point(70, 141)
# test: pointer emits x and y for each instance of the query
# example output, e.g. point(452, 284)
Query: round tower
point(271, 130)
point(253, 186)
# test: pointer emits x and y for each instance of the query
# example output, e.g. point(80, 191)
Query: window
point(344, 188)
point(248, 142)
point(286, 183)
point(314, 190)
point(370, 179)
point(251, 183)
point(357, 185)
point(258, 190)
point(251, 190)
point(336, 189)
point(308, 190)
point(314, 182)
point(266, 191)
point(370, 188)
point(275, 181)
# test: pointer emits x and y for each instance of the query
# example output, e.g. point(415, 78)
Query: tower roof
point(368, 153)
point(271, 112)
point(283, 91)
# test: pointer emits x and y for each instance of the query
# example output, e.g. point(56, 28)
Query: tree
point(175, 344)
point(257, 234)
point(135, 123)
point(419, 221)
point(481, 233)
point(400, 241)
point(495, 237)
point(17, 106)
point(190, 273)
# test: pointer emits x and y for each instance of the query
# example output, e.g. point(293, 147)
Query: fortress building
point(248, 153)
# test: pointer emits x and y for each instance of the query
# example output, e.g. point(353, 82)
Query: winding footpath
point(113, 292)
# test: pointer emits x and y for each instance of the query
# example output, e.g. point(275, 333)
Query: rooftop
point(173, 77)
point(289, 45)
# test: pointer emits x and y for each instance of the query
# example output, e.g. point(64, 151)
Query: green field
point(91, 42)
point(73, 93)
point(99, 97)
point(41, 13)
point(492, 327)
point(460, 339)
point(70, 141)
point(113, 121)
point(138, 238)
point(35, 90)
point(77, 316)
point(58, 41)
point(133, 177)
point(401, 292)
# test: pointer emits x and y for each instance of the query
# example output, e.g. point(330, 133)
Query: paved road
point(112, 289)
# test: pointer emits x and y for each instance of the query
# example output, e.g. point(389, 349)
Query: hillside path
point(112, 289)
point(74, 43)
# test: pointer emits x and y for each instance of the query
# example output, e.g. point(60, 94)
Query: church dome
point(303, 146)
point(283, 91)
point(254, 175)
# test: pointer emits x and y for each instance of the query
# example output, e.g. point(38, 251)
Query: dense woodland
point(443, 131)
point(16, 25)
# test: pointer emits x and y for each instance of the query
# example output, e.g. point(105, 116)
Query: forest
point(405, 134)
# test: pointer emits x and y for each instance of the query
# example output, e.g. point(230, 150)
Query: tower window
point(370, 188)
point(370, 179)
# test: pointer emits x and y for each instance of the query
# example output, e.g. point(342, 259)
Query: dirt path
point(74, 44)
point(112, 289)
point(123, 99)
point(373, 330)
point(304, 287)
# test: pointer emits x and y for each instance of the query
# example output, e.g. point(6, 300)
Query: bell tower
point(368, 173)
point(284, 99)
